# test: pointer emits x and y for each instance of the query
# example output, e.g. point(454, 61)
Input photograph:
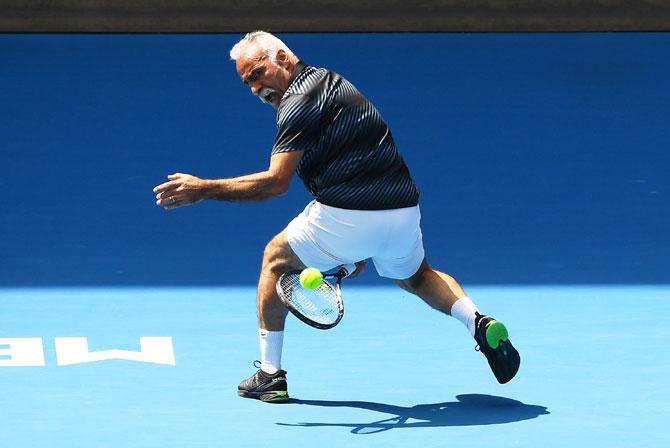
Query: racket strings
point(320, 305)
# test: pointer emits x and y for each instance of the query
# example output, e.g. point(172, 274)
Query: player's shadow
point(470, 409)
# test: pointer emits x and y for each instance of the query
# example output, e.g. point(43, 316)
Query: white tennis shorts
point(325, 237)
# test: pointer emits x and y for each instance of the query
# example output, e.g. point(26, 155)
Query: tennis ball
point(310, 278)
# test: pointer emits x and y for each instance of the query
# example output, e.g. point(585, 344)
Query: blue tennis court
point(542, 163)
point(377, 379)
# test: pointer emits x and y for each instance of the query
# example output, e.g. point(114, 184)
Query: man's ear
point(282, 58)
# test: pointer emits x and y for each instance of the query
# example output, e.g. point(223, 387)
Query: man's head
point(265, 64)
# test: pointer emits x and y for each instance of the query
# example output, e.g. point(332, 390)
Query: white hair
point(269, 43)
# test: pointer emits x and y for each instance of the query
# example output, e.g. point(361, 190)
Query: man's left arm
point(185, 189)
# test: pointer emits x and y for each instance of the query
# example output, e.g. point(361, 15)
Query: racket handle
point(346, 270)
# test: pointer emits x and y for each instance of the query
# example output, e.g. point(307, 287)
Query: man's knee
point(278, 255)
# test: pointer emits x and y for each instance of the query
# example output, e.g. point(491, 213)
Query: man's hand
point(360, 267)
point(182, 189)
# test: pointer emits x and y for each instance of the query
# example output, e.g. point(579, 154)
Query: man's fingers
point(166, 186)
point(166, 193)
point(170, 203)
point(181, 202)
point(172, 206)
point(163, 187)
point(166, 199)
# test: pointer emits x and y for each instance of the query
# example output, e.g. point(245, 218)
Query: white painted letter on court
point(155, 350)
point(21, 352)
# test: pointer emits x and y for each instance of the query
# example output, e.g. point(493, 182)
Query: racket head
point(320, 308)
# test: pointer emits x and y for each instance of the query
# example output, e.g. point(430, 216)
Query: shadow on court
point(469, 410)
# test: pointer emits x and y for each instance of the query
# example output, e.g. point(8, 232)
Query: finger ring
point(172, 199)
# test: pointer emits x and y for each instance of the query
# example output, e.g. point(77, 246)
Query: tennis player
point(365, 207)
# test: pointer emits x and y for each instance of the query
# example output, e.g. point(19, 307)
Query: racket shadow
point(469, 410)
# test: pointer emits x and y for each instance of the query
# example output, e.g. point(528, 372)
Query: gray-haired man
point(366, 205)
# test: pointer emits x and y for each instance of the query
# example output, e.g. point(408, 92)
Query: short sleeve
point(298, 123)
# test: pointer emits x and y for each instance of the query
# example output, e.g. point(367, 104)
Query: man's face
point(266, 79)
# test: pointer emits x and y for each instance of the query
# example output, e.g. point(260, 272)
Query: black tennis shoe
point(263, 386)
point(493, 341)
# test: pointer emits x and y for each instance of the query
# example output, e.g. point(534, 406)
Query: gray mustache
point(264, 92)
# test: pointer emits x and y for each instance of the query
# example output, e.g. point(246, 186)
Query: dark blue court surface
point(543, 167)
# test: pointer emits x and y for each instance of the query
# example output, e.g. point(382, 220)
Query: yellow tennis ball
point(310, 278)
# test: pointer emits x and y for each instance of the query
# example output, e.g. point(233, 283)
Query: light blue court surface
point(394, 373)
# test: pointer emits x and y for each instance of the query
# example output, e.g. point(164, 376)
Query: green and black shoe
point(493, 341)
point(266, 387)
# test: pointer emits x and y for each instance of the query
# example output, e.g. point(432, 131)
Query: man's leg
point(442, 292)
point(277, 259)
point(269, 382)
point(436, 288)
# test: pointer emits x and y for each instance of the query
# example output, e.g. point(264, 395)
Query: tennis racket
point(322, 307)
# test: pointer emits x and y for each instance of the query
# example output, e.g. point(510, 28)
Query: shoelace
point(478, 318)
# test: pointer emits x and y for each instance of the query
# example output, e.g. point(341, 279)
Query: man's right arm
point(258, 186)
point(185, 189)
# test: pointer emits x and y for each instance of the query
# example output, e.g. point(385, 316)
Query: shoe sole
point(496, 333)
point(275, 396)
point(512, 362)
point(497, 338)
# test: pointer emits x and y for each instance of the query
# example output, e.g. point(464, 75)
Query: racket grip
point(346, 270)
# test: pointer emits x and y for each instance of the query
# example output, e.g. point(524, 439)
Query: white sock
point(271, 344)
point(464, 310)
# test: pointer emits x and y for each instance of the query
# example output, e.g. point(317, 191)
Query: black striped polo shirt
point(350, 159)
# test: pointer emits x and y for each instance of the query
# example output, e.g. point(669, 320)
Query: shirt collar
point(297, 71)
point(299, 68)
